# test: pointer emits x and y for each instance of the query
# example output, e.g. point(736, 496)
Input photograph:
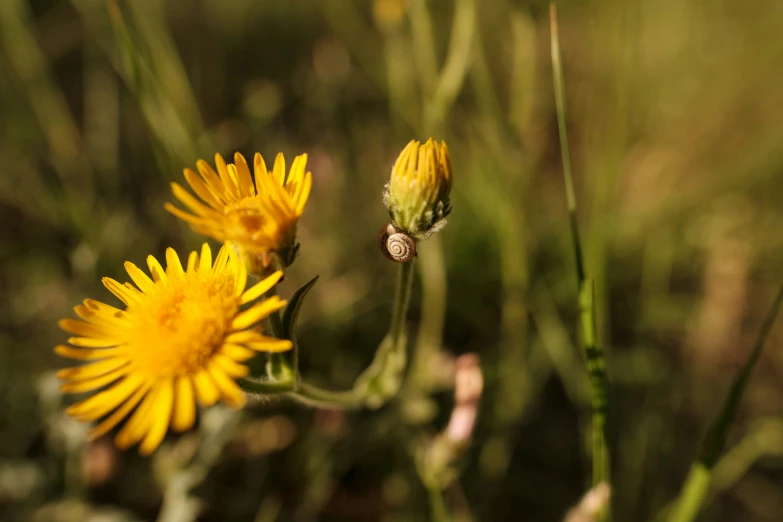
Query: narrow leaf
point(696, 487)
point(291, 314)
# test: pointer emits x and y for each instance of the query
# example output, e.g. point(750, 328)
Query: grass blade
point(697, 483)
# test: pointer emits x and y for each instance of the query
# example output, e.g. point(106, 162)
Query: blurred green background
point(676, 127)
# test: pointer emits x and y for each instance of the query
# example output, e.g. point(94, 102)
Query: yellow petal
point(300, 198)
point(184, 405)
point(86, 355)
point(92, 370)
point(261, 287)
point(141, 279)
point(230, 367)
point(158, 274)
point(184, 216)
point(100, 314)
point(107, 424)
point(122, 292)
point(240, 272)
point(93, 342)
point(93, 384)
point(243, 173)
point(259, 170)
point(236, 352)
point(242, 336)
point(160, 416)
point(232, 394)
point(223, 256)
point(84, 329)
point(201, 189)
point(192, 203)
point(206, 391)
point(280, 198)
point(234, 177)
point(297, 170)
point(192, 262)
point(270, 345)
point(173, 265)
point(212, 180)
point(229, 186)
point(278, 171)
point(138, 424)
point(102, 403)
point(205, 260)
point(250, 317)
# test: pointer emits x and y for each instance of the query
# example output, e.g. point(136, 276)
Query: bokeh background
point(676, 126)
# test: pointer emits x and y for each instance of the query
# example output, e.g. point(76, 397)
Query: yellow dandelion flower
point(181, 338)
point(417, 195)
point(260, 217)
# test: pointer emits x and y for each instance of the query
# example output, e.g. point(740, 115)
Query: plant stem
point(596, 373)
point(438, 510)
point(557, 73)
point(355, 397)
point(402, 296)
point(264, 387)
point(432, 273)
point(693, 493)
point(320, 398)
point(697, 483)
point(290, 358)
point(593, 352)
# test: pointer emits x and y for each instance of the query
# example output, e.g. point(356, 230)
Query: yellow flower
point(417, 195)
point(260, 218)
point(181, 337)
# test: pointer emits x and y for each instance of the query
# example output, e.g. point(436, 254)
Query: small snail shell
point(395, 245)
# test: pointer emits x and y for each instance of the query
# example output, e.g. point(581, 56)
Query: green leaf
point(696, 488)
point(291, 314)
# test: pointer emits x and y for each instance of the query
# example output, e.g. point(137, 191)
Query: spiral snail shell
point(395, 245)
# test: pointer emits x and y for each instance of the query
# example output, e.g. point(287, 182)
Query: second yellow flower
point(260, 216)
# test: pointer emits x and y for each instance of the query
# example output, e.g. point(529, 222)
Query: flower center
point(254, 229)
point(247, 220)
point(178, 328)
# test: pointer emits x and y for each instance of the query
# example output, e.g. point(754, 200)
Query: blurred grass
point(676, 121)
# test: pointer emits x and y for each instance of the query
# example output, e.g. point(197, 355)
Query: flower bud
point(417, 195)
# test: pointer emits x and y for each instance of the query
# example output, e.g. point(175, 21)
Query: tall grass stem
point(594, 355)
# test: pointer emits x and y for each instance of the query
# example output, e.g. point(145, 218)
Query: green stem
point(432, 273)
point(264, 387)
point(401, 299)
point(693, 493)
point(593, 352)
point(355, 397)
point(438, 510)
point(596, 373)
point(565, 151)
point(320, 398)
point(697, 483)
point(289, 359)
